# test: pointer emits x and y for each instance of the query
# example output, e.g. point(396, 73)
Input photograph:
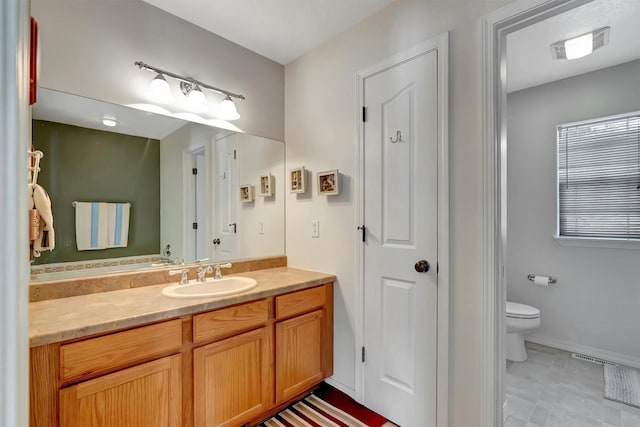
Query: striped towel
point(118, 224)
point(102, 225)
point(91, 225)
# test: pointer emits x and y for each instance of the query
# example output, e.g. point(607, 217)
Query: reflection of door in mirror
point(226, 198)
point(199, 204)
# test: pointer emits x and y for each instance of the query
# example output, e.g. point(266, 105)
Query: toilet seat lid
point(521, 311)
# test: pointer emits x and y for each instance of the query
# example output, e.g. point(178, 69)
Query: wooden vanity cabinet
point(233, 376)
point(225, 367)
point(233, 380)
point(145, 395)
point(304, 340)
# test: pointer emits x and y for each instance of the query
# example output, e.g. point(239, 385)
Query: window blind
point(599, 178)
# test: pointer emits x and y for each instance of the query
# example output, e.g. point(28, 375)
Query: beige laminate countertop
point(79, 316)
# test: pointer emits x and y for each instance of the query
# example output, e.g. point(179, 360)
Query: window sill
point(590, 242)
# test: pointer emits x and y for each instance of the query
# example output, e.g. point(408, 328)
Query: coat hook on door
point(398, 137)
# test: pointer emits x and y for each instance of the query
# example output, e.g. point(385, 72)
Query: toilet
point(521, 319)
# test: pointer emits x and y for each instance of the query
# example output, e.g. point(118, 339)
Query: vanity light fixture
point(192, 90)
point(580, 46)
point(159, 90)
point(109, 122)
point(227, 109)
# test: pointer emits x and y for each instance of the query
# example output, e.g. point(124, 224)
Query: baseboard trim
point(343, 388)
point(610, 356)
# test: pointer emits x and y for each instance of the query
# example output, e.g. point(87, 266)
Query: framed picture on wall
point(297, 180)
point(329, 183)
point(267, 187)
point(247, 193)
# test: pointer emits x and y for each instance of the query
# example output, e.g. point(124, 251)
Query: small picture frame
point(267, 187)
point(329, 183)
point(297, 180)
point(247, 193)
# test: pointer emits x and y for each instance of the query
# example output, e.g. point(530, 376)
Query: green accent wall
point(88, 165)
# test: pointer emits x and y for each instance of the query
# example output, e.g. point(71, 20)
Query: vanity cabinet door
point(147, 395)
point(300, 350)
point(233, 379)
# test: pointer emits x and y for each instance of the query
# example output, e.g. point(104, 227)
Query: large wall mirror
point(194, 191)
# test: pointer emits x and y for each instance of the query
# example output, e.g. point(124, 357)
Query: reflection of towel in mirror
point(45, 236)
point(118, 224)
point(91, 225)
point(101, 225)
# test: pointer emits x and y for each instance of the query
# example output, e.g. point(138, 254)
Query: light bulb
point(196, 96)
point(227, 110)
point(579, 46)
point(159, 90)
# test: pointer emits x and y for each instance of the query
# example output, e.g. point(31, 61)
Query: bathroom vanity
point(135, 357)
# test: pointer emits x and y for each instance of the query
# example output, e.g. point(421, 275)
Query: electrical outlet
point(261, 227)
point(315, 228)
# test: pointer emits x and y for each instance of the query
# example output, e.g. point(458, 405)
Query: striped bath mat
point(314, 411)
point(622, 384)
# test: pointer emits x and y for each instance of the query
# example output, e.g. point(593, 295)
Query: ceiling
point(529, 61)
point(60, 107)
point(281, 30)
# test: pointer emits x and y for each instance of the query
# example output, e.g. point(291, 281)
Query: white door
point(400, 213)
point(226, 199)
point(200, 207)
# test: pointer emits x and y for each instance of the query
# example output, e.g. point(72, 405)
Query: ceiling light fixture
point(109, 122)
point(581, 46)
point(192, 89)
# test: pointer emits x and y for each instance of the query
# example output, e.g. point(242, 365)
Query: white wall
point(88, 48)
point(594, 306)
point(321, 134)
point(260, 156)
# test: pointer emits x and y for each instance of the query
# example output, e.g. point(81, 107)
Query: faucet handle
point(218, 274)
point(184, 280)
point(227, 265)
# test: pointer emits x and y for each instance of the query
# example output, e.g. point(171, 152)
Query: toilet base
point(516, 351)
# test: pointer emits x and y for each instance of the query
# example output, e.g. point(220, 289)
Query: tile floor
point(551, 389)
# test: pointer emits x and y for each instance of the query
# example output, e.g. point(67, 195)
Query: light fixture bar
point(189, 80)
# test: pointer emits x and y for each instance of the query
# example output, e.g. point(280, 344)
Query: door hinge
point(194, 171)
point(437, 268)
point(363, 354)
point(235, 154)
point(364, 114)
point(195, 225)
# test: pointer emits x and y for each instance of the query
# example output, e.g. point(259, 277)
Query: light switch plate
point(315, 228)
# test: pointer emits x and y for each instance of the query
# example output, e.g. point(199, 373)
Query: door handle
point(422, 266)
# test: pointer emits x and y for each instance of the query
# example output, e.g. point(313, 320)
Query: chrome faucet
point(203, 270)
point(218, 274)
point(184, 279)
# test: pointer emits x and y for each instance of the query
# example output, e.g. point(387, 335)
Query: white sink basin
point(210, 288)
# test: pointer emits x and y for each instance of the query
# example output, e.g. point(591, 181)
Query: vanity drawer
point(119, 349)
point(300, 302)
point(228, 321)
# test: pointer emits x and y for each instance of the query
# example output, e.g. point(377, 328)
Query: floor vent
point(592, 359)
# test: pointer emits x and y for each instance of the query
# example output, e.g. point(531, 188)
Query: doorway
point(509, 21)
point(403, 207)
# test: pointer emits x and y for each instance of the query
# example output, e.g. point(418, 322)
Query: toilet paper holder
point(532, 277)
